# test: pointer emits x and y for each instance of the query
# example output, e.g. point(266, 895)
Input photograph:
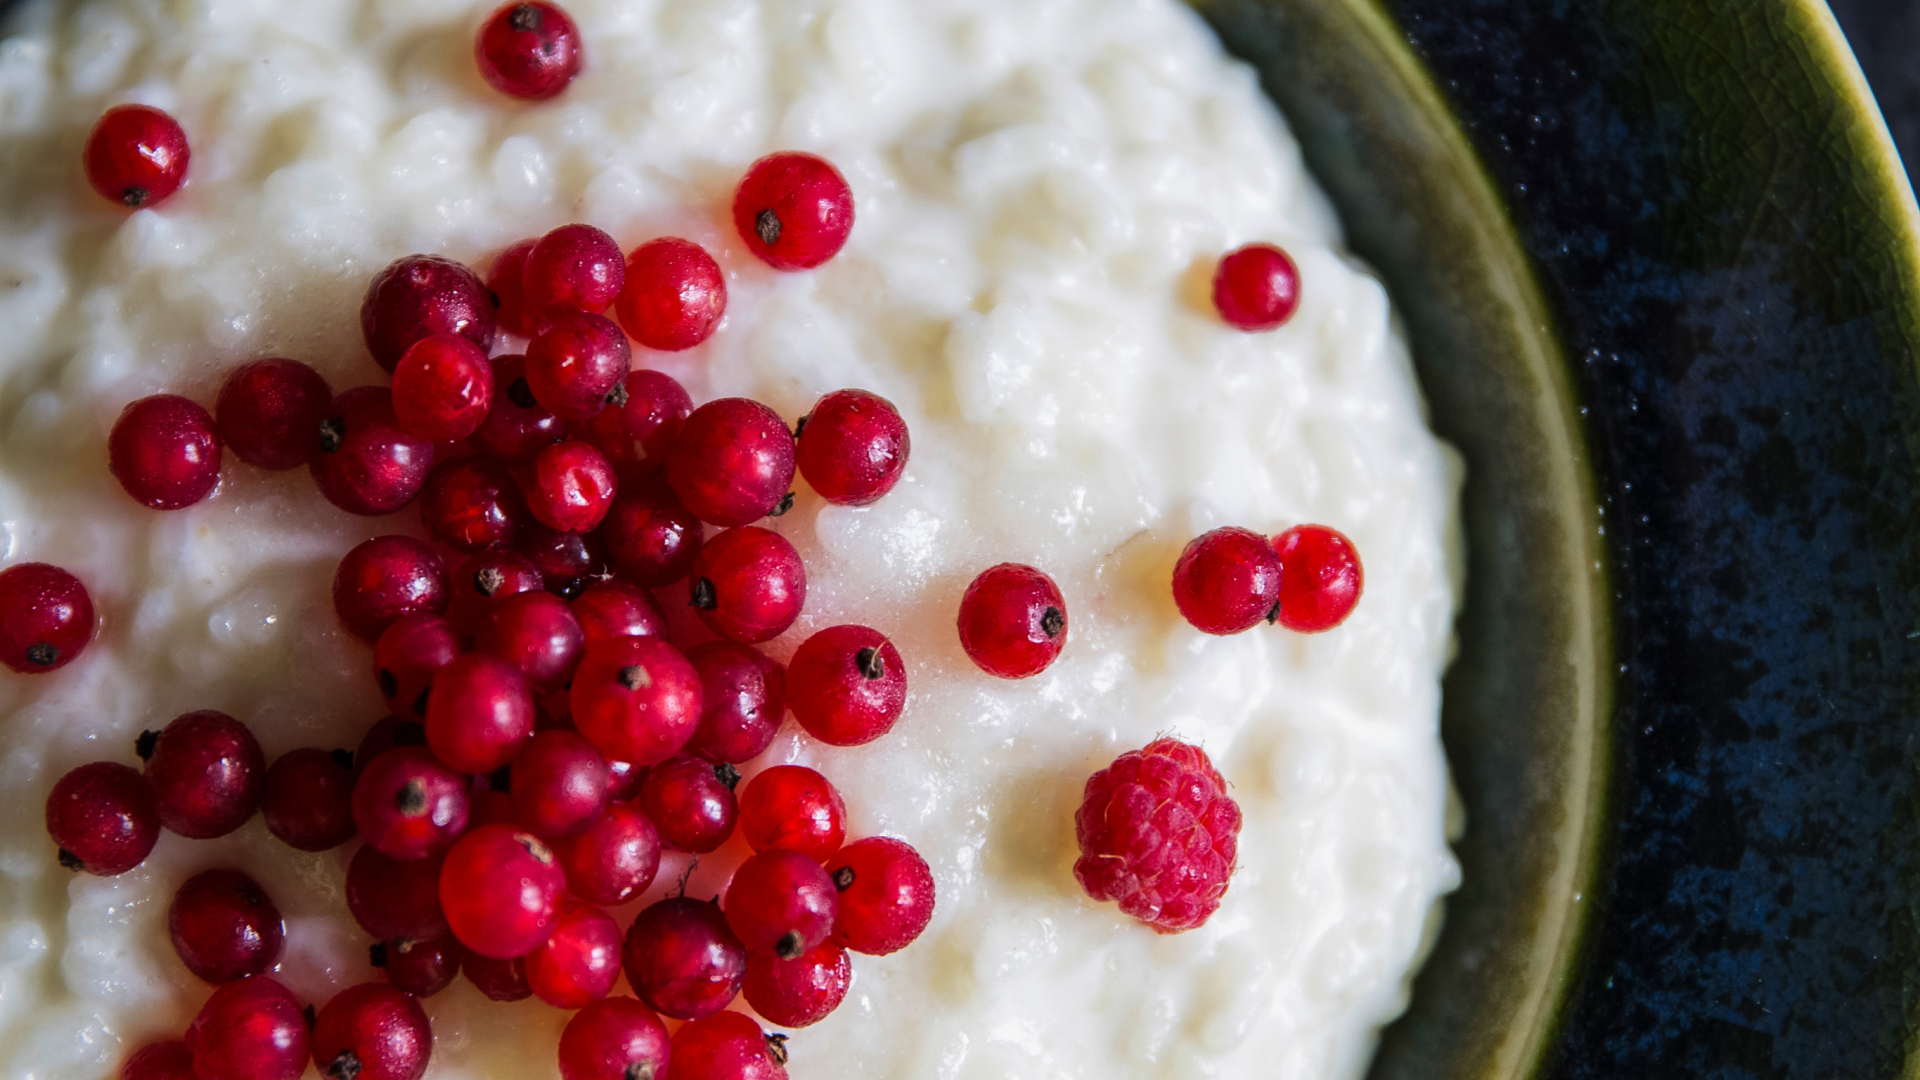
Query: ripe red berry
point(225, 927)
point(250, 1029)
point(1227, 580)
point(683, 960)
point(518, 426)
point(206, 771)
point(372, 1032)
point(613, 859)
point(615, 609)
point(568, 561)
point(503, 280)
point(559, 783)
point(727, 1046)
point(638, 435)
point(268, 411)
point(103, 817)
point(1158, 833)
point(675, 294)
point(471, 504)
point(636, 699)
point(793, 808)
point(385, 578)
point(499, 980)
point(486, 580)
point(1256, 287)
point(580, 962)
point(480, 713)
point(781, 902)
point(421, 967)
point(1320, 578)
point(615, 1038)
point(748, 584)
point(886, 895)
point(732, 462)
point(743, 700)
point(528, 49)
point(395, 898)
point(799, 992)
point(442, 387)
point(409, 653)
point(537, 633)
point(1013, 621)
point(794, 210)
point(500, 888)
point(852, 447)
point(368, 464)
point(136, 156)
point(691, 803)
point(651, 539)
point(421, 295)
point(46, 618)
point(623, 778)
point(307, 798)
point(573, 268)
point(572, 487)
point(165, 452)
point(407, 805)
point(577, 365)
point(847, 685)
point(169, 1060)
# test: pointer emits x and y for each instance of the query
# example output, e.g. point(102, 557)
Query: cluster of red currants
point(1307, 579)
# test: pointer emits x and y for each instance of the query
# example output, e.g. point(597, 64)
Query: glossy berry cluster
point(1307, 579)
point(1158, 834)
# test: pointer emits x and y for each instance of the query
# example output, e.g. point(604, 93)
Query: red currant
point(580, 962)
point(268, 410)
point(577, 365)
point(537, 633)
point(499, 980)
point(847, 685)
point(683, 960)
point(169, 1060)
point(651, 539)
point(853, 447)
point(165, 452)
point(372, 1031)
point(799, 992)
point(623, 778)
point(559, 783)
point(480, 713)
point(568, 561)
point(46, 618)
point(1256, 288)
point(385, 578)
point(206, 771)
point(504, 282)
point(572, 487)
point(225, 927)
point(636, 699)
point(500, 888)
point(136, 156)
point(615, 609)
point(103, 817)
point(471, 504)
point(486, 580)
point(409, 653)
point(691, 803)
point(395, 898)
point(422, 968)
point(727, 1046)
point(1227, 580)
point(744, 698)
point(794, 210)
point(572, 268)
point(793, 808)
point(638, 435)
point(886, 895)
point(615, 1038)
point(675, 294)
point(1013, 621)
point(421, 295)
point(1320, 578)
point(442, 387)
point(780, 902)
point(307, 798)
point(528, 49)
point(407, 805)
point(250, 1029)
point(614, 858)
point(733, 462)
point(368, 464)
point(748, 585)
point(518, 427)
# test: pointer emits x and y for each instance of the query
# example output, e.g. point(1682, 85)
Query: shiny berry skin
point(675, 294)
point(480, 713)
point(169, 1060)
point(615, 1038)
point(580, 962)
point(573, 268)
point(568, 561)
point(651, 538)
point(421, 966)
point(537, 633)
point(847, 685)
point(852, 447)
point(250, 1029)
point(799, 992)
point(103, 817)
point(793, 808)
point(485, 581)
point(503, 281)
point(367, 463)
point(623, 778)
point(384, 578)
point(268, 410)
point(1158, 833)
point(46, 618)
point(748, 585)
point(472, 504)
point(407, 805)
point(613, 859)
point(1256, 288)
point(518, 426)
point(614, 609)
point(1227, 580)
point(691, 802)
point(733, 462)
point(225, 927)
point(1013, 621)
point(499, 980)
point(727, 1046)
point(559, 783)
point(407, 656)
point(165, 451)
point(743, 700)
point(136, 156)
point(1320, 578)
point(781, 902)
point(395, 898)
point(442, 387)
point(206, 771)
point(682, 958)
point(572, 487)
point(421, 295)
point(794, 210)
point(528, 49)
point(372, 1032)
point(577, 365)
point(500, 888)
point(307, 798)
point(636, 699)
point(637, 436)
point(886, 895)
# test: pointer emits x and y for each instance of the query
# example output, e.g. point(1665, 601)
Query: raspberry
point(1158, 833)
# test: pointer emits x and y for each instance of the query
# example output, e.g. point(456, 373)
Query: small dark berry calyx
point(333, 433)
point(493, 299)
point(635, 677)
point(42, 655)
point(727, 775)
point(71, 861)
point(870, 665)
point(488, 579)
point(704, 598)
point(617, 397)
point(135, 197)
point(521, 394)
point(1052, 621)
point(409, 734)
point(377, 954)
point(790, 946)
point(766, 225)
point(1273, 613)
point(843, 879)
point(780, 508)
point(251, 895)
point(524, 17)
point(342, 758)
point(541, 853)
point(420, 703)
point(344, 1067)
point(389, 684)
point(571, 588)
point(501, 779)
point(640, 1070)
point(412, 799)
point(309, 1016)
point(143, 746)
point(777, 1048)
point(800, 426)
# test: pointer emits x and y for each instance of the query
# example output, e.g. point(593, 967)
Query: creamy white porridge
point(1042, 189)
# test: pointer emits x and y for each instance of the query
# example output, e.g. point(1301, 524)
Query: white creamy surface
point(1043, 187)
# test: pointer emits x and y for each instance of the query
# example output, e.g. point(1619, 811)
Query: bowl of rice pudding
point(1041, 193)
